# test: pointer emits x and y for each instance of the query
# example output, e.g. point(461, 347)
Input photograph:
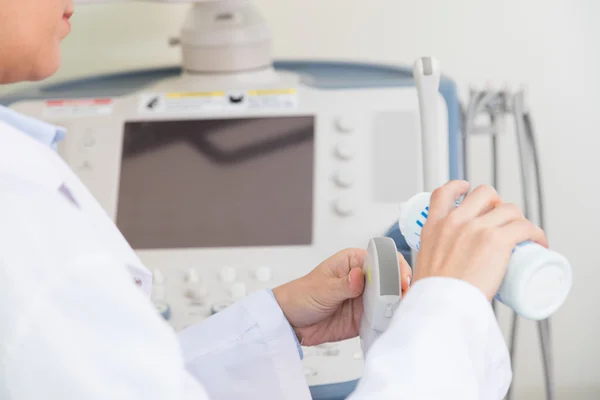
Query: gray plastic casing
point(383, 289)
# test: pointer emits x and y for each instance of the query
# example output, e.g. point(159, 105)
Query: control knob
point(238, 291)
point(228, 274)
point(263, 274)
point(192, 276)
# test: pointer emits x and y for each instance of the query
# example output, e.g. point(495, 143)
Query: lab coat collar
point(43, 132)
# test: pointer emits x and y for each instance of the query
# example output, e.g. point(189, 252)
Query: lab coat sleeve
point(246, 351)
point(443, 343)
point(75, 327)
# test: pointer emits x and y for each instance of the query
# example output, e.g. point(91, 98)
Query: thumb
point(350, 286)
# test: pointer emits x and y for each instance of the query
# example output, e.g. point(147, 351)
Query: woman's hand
point(472, 242)
point(326, 305)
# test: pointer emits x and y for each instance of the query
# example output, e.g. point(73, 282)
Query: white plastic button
point(344, 207)
point(345, 124)
point(192, 276)
point(218, 307)
point(308, 351)
point(158, 292)
point(344, 152)
point(228, 274)
point(158, 277)
point(263, 274)
point(196, 294)
point(88, 141)
point(389, 312)
point(163, 309)
point(202, 292)
point(197, 312)
point(344, 178)
point(85, 166)
point(327, 345)
point(331, 352)
point(238, 291)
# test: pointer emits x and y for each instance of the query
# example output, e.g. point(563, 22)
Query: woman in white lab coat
point(74, 326)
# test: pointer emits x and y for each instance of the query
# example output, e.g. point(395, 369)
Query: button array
point(196, 292)
point(344, 178)
point(84, 146)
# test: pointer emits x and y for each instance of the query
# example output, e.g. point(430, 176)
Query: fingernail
point(409, 280)
point(350, 277)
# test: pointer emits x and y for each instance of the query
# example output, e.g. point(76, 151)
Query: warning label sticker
point(206, 102)
point(78, 107)
point(282, 98)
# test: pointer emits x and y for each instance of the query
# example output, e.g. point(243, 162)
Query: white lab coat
point(73, 326)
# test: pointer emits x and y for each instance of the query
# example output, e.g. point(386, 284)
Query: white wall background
point(552, 46)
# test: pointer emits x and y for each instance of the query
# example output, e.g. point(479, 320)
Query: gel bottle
point(536, 282)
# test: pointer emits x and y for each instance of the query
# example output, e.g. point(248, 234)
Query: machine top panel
point(315, 74)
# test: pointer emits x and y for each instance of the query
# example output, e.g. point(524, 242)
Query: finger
point(501, 215)
point(340, 264)
point(482, 200)
point(521, 231)
point(405, 273)
point(345, 261)
point(443, 199)
point(351, 286)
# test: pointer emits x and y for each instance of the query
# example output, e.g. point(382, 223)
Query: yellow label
point(195, 94)
point(369, 275)
point(271, 92)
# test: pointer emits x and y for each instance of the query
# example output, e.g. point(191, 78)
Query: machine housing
point(225, 185)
